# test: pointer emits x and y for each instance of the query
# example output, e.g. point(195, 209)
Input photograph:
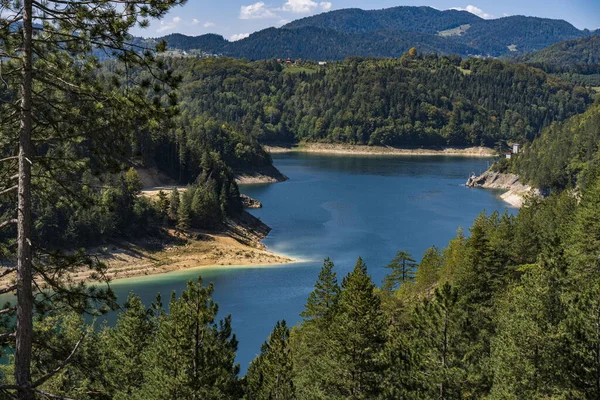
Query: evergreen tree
point(311, 341)
point(123, 364)
point(323, 299)
point(191, 356)
point(58, 114)
point(270, 375)
point(441, 345)
point(527, 352)
point(428, 270)
point(453, 256)
point(358, 338)
point(174, 201)
point(402, 269)
point(184, 210)
point(582, 295)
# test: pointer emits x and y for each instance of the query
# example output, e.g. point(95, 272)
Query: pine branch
point(52, 396)
point(6, 223)
point(61, 366)
point(7, 271)
point(9, 309)
point(10, 189)
point(7, 290)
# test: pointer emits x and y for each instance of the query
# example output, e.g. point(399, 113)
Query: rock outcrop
point(267, 174)
point(249, 202)
point(516, 190)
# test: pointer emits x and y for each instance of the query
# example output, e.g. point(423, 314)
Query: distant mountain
point(518, 34)
point(388, 33)
point(568, 54)
point(415, 19)
point(317, 44)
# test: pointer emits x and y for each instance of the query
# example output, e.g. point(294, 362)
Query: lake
point(341, 207)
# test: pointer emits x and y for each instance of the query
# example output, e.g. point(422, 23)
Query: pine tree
point(311, 341)
point(440, 344)
point(174, 200)
point(402, 269)
point(428, 270)
point(184, 211)
point(123, 364)
point(270, 375)
point(358, 338)
point(324, 297)
point(454, 257)
point(191, 356)
point(582, 294)
point(54, 91)
point(527, 352)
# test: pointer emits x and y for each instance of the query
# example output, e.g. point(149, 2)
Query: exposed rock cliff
point(516, 190)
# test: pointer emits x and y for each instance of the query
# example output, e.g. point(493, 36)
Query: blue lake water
point(340, 207)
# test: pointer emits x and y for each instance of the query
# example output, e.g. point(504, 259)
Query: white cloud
point(209, 24)
point(195, 21)
point(300, 6)
point(283, 22)
point(238, 36)
point(474, 10)
point(326, 5)
point(256, 11)
point(169, 25)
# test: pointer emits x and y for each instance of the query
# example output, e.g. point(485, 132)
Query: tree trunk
point(24, 262)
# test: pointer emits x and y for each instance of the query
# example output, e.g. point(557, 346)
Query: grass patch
point(298, 70)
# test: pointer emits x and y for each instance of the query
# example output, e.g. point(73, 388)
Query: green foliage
point(402, 269)
point(323, 299)
point(565, 155)
point(528, 354)
point(441, 343)
point(270, 374)
point(191, 356)
point(428, 269)
point(577, 56)
point(358, 337)
point(404, 102)
point(125, 345)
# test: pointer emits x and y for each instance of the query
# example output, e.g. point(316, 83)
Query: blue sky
point(235, 19)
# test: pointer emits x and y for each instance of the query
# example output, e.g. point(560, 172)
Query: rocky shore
point(516, 190)
point(236, 243)
point(268, 174)
point(249, 202)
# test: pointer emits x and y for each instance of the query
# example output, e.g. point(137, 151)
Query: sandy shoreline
point(186, 252)
point(203, 251)
point(347, 149)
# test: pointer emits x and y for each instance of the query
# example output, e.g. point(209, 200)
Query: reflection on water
point(339, 207)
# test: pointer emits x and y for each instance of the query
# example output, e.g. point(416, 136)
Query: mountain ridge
point(389, 32)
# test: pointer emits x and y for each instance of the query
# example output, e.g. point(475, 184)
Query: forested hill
point(314, 43)
point(387, 33)
point(566, 154)
point(416, 19)
point(408, 101)
point(571, 56)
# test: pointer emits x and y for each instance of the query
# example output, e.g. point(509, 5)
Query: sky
point(236, 19)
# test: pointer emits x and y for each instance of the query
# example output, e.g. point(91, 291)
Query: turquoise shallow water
point(340, 207)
